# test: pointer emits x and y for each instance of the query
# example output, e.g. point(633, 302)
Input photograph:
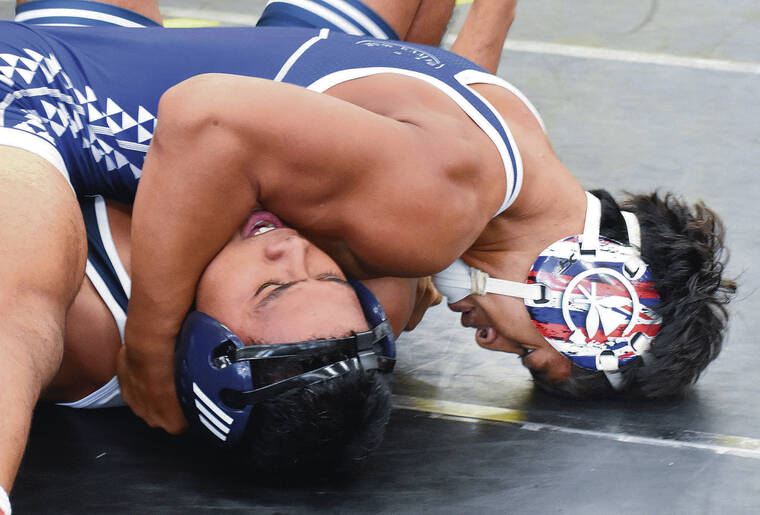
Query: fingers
point(151, 394)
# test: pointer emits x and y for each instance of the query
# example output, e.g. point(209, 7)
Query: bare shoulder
point(520, 116)
point(437, 177)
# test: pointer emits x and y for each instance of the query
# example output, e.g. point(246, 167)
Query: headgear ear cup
point(214, 377)
point(200, 380)
point(375, 315)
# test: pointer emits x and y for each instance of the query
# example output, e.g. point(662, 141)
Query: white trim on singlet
point(323, 33)
point(359, 17)
point(106, 395)
point(469, 77)
point(61, 25)
point(101, 215)
point(324, 13)
point(324, 83)
point(36, 145)
point(480, 77)
point(119, 315)
point(75, 13)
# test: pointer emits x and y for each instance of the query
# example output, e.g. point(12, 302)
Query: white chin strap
point(460, 280)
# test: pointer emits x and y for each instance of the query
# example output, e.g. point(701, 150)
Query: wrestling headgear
point(219, 379)
point(591, 298)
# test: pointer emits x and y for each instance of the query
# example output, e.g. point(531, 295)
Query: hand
point(147, 386)
point(427, 295)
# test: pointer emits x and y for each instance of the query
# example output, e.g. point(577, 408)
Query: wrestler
point(428, 103)
point(397, 161)
point(26, 131)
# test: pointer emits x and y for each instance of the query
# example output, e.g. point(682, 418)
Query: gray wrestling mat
point(636, 96)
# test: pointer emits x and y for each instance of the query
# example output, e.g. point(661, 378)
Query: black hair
point(684, 248)
point(328, 427)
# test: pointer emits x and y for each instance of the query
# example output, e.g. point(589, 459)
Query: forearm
point(482, 36)
point(190, 164)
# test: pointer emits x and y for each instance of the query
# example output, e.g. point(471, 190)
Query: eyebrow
point(277, 292)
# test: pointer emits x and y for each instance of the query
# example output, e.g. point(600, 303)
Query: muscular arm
point(482, 36)
point(324, 165)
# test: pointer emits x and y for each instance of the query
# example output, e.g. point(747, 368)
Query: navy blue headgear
point(219, 379)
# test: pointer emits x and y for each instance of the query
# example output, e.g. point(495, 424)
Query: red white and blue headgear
point(219, 379)
point(591, 298)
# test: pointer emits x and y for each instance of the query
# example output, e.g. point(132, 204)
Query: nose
point(290, 248)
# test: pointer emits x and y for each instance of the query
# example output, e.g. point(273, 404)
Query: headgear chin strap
point(219, 379)
point(590, 297)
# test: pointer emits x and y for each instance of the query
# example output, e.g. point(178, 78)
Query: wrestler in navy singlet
point(100, 110)
point(86, 99)
point(104, 267)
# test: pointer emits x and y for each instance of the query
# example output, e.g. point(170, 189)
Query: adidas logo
point(211, 415)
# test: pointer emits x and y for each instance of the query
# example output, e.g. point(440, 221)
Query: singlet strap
point(590, 242)
point(634, 230)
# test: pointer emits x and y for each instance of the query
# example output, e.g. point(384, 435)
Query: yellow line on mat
point(458, 409)
point(741, 446)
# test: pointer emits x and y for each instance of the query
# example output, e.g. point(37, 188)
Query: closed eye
point(333, 278)
point(266, 285)
point(282, 287)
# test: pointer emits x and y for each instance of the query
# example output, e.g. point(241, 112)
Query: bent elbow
point(187, 107)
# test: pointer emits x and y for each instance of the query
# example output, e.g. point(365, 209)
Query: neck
point(551, 206)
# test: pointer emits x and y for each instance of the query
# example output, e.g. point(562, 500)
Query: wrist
point(145, 353)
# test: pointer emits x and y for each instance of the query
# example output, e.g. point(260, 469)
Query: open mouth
point(261, 222)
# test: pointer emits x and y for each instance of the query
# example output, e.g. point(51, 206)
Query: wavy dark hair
point(328, 427)
point(683, 246)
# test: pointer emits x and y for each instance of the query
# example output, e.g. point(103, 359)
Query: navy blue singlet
point(86, 99)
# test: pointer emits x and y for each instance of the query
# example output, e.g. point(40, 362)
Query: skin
point(92, 340)
point(506, 327)
point(420, 21)
point(258, 283)
point(39, 217)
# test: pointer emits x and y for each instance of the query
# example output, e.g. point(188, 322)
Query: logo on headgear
point(618, 305)
point(597, 304)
